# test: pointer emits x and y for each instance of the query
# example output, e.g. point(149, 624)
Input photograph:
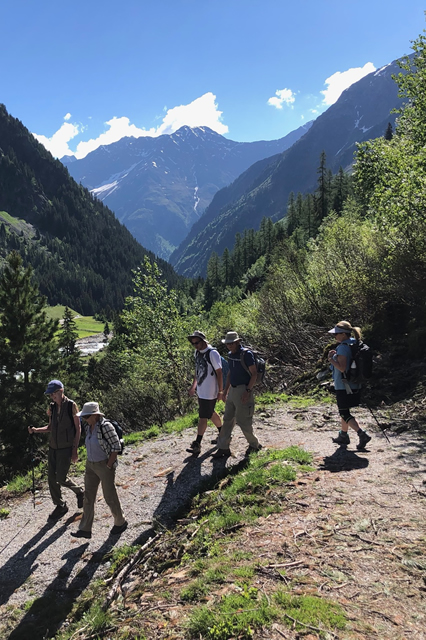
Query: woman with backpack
point(103, 447)
point(348, 393)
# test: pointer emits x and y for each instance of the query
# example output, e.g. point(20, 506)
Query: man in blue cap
point(64, 435)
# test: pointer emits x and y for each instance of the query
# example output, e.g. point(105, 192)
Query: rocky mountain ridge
point(158, 187)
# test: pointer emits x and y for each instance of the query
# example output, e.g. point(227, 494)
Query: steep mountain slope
point(82, 256)
point(361, 113)
point(158, 187)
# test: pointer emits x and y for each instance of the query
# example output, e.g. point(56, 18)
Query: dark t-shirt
point(237, 372)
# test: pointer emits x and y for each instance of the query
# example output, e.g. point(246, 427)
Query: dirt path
point(369, 508)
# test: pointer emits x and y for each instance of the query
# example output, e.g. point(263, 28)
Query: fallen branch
point(308, 626)
point(125, 570)
point(285, 565)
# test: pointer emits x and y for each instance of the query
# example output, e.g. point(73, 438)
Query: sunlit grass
point(299, 402)
point(85, 325)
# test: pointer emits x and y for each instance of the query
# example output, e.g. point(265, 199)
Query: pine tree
point(71, 365)
point(389, 132)
point(28, 355)
point(322, 192)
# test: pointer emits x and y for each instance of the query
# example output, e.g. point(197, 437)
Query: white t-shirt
point(207, 387)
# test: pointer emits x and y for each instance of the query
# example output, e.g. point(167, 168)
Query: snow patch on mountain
point(105, 190)
point(380, 71)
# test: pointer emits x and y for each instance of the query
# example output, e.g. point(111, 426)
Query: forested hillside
point(82, 256)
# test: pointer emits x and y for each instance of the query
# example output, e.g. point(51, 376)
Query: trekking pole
point(32, 468)
point(382, 429)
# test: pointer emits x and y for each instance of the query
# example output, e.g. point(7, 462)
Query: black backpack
point(361, 364)
point(260, 364)
point(119, 431)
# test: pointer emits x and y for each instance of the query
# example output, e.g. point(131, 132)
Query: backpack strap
point(244, 350)
point(206, 357)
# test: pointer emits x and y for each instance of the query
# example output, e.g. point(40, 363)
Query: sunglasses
point(196, 342)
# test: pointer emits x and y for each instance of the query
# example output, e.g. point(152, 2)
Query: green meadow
point(86, 325)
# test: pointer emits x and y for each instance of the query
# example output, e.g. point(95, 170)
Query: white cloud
point(67, 117)
point(282, 96)
point(118, 128)
point(202, 112)
point(58, 143)
point(340, 81)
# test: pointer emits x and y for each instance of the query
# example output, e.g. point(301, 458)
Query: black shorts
point(206, 408)
point(348, 400)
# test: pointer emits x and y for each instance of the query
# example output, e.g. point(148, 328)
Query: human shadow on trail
point(48, 611)
point(181, 489)
point(343, 460)
point(21, 565)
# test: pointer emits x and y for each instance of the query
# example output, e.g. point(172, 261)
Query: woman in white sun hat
point(103, 446)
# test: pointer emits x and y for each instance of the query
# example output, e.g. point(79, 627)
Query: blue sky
point(83, 73)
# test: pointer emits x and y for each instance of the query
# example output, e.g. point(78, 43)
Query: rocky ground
point(356, 526)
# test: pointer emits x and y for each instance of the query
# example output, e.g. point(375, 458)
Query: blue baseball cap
point(54, 385)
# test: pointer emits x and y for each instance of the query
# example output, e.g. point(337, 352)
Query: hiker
point(103, 447)
point(208, 384)
point(64, 435)
point(238, 395)
point(348, 393)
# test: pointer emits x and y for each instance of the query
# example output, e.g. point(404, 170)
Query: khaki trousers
point(98, 473)
point(237, 413)
point(59, 462)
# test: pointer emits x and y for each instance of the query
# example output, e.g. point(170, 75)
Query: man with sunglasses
point(64, 435)
point(208, 384)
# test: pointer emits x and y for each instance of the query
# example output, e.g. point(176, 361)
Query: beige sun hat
point(90, 409)
point(231, 336)
point(197, 334)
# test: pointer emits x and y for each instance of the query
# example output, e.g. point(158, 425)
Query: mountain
point(158, 187)
point(362, 112)
point(81, 254)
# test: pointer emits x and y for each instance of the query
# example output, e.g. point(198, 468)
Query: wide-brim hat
point(231, 336)
point(90, 409)
point(54, 385)
point(197, 334)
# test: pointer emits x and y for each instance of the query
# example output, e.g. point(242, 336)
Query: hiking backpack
point(225, 366)
point(259, 362)
point(119, 431)
point(361, 366)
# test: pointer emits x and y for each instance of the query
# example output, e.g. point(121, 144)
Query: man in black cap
point(64, 435)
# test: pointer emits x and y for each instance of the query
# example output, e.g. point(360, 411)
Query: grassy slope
point(86, 325)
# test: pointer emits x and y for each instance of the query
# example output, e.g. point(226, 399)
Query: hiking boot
point(342, 439)
point(80, 500)
point(194, 448)
point(364, 439)
point(251, 450)
point(221, 453)
point(117, 529)
point(81, 534)
point(58, 512)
